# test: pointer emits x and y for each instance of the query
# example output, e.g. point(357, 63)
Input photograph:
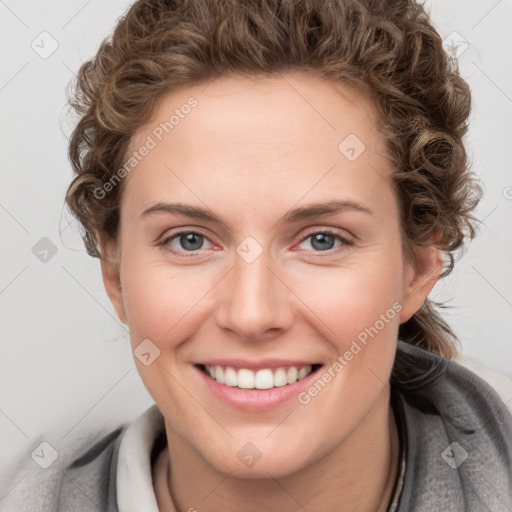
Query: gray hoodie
point(456, 445)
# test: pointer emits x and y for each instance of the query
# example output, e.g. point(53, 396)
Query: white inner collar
point(134, 473)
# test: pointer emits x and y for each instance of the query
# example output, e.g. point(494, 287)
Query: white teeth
point(245, 379)
point(265, 378)
point(303, 372)
point(291, 375)
point(230, 378)
point(219, 375)
point(280, 378)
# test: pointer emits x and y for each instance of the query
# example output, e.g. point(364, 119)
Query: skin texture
point(250, 151)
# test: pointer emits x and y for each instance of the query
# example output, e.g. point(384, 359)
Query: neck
point(361, 471)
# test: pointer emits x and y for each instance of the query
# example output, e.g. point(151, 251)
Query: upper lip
point(257, 365)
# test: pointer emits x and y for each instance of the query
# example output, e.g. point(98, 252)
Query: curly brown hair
point(388, 48)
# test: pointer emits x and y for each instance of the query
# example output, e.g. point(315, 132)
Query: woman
point(273, 189)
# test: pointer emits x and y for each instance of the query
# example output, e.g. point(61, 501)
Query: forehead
point(285, 132)
point(285, 105)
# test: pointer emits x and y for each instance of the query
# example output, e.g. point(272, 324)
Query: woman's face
point(296, 262)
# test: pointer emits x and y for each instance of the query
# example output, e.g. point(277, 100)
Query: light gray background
point(66, 364)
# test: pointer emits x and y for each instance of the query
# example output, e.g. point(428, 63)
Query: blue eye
point(191, 242)
point(323, 241)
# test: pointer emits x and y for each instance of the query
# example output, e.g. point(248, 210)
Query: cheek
point(353, 297)
point(357, 308)
point(161, 302)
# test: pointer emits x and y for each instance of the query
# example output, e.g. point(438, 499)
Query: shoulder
point(458, 435)
point(443, 385)
point(80, 478)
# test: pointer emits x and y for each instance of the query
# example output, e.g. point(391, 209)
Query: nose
point(256, 302)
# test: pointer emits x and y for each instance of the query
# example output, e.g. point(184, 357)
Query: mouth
point(262, 379)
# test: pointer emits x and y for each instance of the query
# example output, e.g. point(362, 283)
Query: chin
point(276, 466)
point(262, 459)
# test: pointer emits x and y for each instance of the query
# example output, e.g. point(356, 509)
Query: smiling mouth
point(266, 378)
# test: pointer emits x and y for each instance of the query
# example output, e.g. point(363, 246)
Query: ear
point(111, 278)
point(420, 277)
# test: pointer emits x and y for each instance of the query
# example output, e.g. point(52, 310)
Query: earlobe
point(420, 277)
point(111, 279)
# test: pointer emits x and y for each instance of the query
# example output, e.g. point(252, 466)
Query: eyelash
point(345, 241)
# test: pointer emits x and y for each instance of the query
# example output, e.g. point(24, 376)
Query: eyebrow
point(296, 215)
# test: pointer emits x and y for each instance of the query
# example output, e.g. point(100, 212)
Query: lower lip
point(255, 399)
